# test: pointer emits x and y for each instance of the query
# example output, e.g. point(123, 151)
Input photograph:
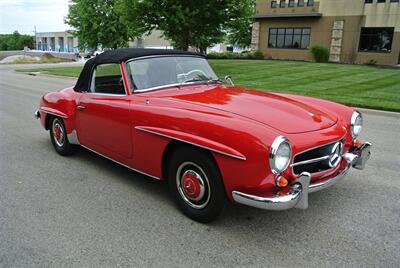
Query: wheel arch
point(47, 121)
point(174, 145)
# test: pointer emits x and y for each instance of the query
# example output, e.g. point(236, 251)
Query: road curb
point(379, 112)
point(47, 75)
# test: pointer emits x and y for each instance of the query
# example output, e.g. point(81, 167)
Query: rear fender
point(61, 105)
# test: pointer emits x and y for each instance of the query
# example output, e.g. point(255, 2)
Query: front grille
point(318, 159)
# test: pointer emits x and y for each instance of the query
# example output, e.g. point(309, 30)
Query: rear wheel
point(59, 139)
point(196, 184)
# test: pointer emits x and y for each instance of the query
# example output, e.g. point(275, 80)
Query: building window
point(300, 3)
point(296, 38)
point(368, 1)
point(291, 3)
point(282, 3)
point(376, 39)
point(394, 1)
point(310, 3)
point(381, 1)
point(273, 4)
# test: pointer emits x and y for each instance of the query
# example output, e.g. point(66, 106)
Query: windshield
point(151, 73)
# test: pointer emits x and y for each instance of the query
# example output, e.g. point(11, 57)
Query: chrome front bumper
point(297, 197)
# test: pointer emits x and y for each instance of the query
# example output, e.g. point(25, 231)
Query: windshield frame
point(128, 70)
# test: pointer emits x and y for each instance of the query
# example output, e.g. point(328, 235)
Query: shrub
point(371, 62)
point(244, 55)
point(258, 55)
point(320, 53)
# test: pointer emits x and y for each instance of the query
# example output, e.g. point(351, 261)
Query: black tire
point(61, 145)
point(185, 166)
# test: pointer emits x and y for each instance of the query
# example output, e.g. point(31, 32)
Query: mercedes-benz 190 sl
point(165, 114)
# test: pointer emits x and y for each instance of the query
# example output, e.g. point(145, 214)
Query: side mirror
point(229, 80)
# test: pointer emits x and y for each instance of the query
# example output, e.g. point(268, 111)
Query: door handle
point(81, 107)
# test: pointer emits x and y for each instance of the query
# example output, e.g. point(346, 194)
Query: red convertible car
point(165, 114)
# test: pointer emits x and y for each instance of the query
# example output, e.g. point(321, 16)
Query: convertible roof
point(121, 55)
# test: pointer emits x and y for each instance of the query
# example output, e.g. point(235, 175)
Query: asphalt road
point(86, 211)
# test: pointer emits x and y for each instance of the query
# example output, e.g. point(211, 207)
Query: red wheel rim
point(193, 185)
point(58, 133)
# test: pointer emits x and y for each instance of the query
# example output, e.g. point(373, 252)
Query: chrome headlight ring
point(280, 154)
point(356, 124)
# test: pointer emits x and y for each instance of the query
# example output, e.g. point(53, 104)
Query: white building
point(154, 40)
point(56, 42)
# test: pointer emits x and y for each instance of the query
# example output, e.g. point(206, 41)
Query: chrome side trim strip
point(105, 94)
point(191, 143)
point(136, 170)
point(47, 112)
point(155, 88)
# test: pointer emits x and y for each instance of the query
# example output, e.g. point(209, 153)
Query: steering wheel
point(196, 71)
point(121, 82)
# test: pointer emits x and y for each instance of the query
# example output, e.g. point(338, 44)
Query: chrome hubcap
point(58, 133)
point(193, 185)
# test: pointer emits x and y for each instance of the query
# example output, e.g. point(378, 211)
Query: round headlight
point(280, 154)
point(356, 124)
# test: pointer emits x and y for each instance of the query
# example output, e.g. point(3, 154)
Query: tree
point(240, 27)
point(97, 22)
point(16, 41)
point(185, 22)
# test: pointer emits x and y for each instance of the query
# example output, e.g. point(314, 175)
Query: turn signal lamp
point(282, 182)
point(358, 143)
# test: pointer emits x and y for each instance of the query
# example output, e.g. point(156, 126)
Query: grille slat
point(314, 160)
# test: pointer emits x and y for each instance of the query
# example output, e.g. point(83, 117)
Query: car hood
point(278, 111)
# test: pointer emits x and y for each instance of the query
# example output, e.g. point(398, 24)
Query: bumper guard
point(37, 114)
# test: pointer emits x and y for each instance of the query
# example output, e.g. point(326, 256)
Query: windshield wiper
point(215, 81)
point(203, 80)
point(194, 80)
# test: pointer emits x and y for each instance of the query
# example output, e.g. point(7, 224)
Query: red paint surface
point(228, 119)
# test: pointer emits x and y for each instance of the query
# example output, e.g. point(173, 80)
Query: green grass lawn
point(354, 85)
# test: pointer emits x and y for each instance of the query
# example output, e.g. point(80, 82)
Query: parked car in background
point(86, 53)
point(97, 52)
point(165, 114)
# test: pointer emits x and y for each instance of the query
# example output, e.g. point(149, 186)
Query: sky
point(24, 15)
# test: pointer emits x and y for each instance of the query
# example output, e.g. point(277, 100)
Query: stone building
point(355, 31)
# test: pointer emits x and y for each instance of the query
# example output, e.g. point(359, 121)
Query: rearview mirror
point(229, 80)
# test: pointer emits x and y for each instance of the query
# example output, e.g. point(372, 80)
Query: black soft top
point(121, 55)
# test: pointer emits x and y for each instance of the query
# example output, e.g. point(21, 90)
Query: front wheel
point(59, 139)
point(196, 184)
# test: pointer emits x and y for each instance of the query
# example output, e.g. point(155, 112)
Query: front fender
point(194, 140)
